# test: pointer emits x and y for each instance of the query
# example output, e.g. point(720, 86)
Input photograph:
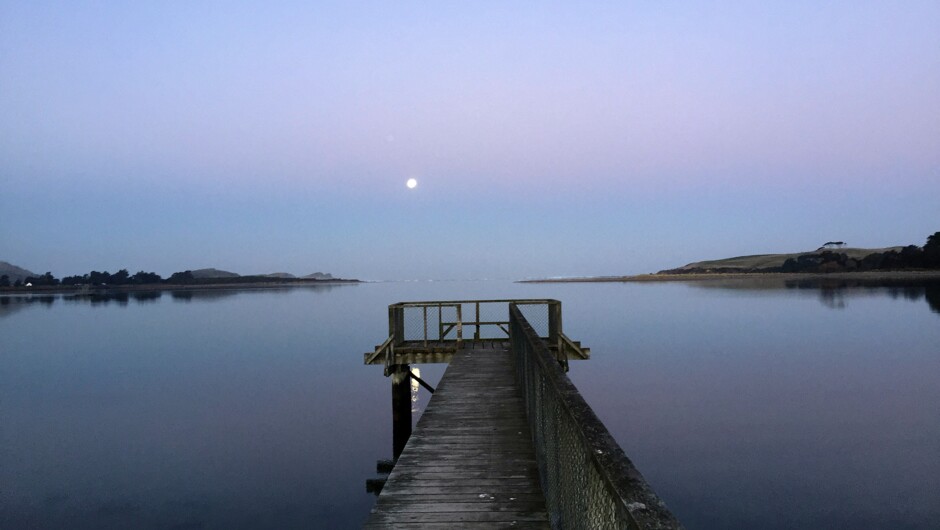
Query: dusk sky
point(547, 139)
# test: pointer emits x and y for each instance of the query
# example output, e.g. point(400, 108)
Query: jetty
point(506, 441)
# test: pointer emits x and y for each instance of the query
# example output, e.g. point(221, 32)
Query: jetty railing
point(587, 479)
point(469, 319)
point(442, 326)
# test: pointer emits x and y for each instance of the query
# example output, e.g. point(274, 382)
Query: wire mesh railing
point(587, 479)
point(469, 319)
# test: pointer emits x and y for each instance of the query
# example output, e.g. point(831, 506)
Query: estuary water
point(745, 405)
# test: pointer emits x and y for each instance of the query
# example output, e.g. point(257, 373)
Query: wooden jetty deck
point(470, 462)
point(506, 441)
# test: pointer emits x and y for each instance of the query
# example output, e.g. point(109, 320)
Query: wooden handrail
point(445, 303)
point(581, 352)
point(380, 349)
point(414, 325)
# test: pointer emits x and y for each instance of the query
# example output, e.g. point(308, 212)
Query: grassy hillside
point(15, 273)
point(763, 261)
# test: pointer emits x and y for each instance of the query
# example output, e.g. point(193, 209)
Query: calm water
point(750, 406)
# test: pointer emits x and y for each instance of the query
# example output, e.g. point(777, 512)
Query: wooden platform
point(470, 462)
point(442, 351)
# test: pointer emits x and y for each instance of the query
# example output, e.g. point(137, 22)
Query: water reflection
point(833, 293)
point(10, 304)
point(744, 409)
point(205, 296)
point(754, 404)
point(133, 410)
point(836, 293)
point(209, 295)
point(415, 387)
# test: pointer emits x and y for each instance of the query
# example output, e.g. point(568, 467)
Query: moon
point(411, 183)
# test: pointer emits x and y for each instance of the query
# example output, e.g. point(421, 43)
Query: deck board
point(470, 462)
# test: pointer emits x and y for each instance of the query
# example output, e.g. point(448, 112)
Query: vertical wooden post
point(440, 323)
point(554, 326)
point(400, 324)
point(476, 334)
point(401, 408)
point(554, 320)
point(396, 323)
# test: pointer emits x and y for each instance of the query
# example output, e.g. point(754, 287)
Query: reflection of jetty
point(506, 440)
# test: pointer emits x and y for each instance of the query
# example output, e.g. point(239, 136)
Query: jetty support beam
point(401, 407)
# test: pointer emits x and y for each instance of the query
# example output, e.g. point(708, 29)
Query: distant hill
point(279, 275)
point(15, 273)
point(832, 257)
point(216, 273)
point(768, 261)
point(213, 273)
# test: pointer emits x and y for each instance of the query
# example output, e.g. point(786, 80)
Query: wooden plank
point(468, 456)
point(467, 520)
point(488, 485)
point(411, 505)
point(470, 462)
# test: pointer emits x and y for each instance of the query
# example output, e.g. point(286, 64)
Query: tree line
point(124, 277)
point(909, 257)
point(121, 277)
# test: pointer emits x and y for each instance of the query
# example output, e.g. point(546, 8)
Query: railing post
point(459, 323)
point(554, 323)
point(425, 308)
point(476, 334)
point(396, 323)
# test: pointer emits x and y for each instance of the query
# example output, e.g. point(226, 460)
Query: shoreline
point(713, 276)
point(105, 289)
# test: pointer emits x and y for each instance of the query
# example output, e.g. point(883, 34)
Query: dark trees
point(932, 250)
point(909, 257)
point(99, 278)
point(145, 278)
point(181, 278)
point(121, 277)
point(46, 279)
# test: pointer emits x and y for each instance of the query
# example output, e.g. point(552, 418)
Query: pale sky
point(547, 139)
